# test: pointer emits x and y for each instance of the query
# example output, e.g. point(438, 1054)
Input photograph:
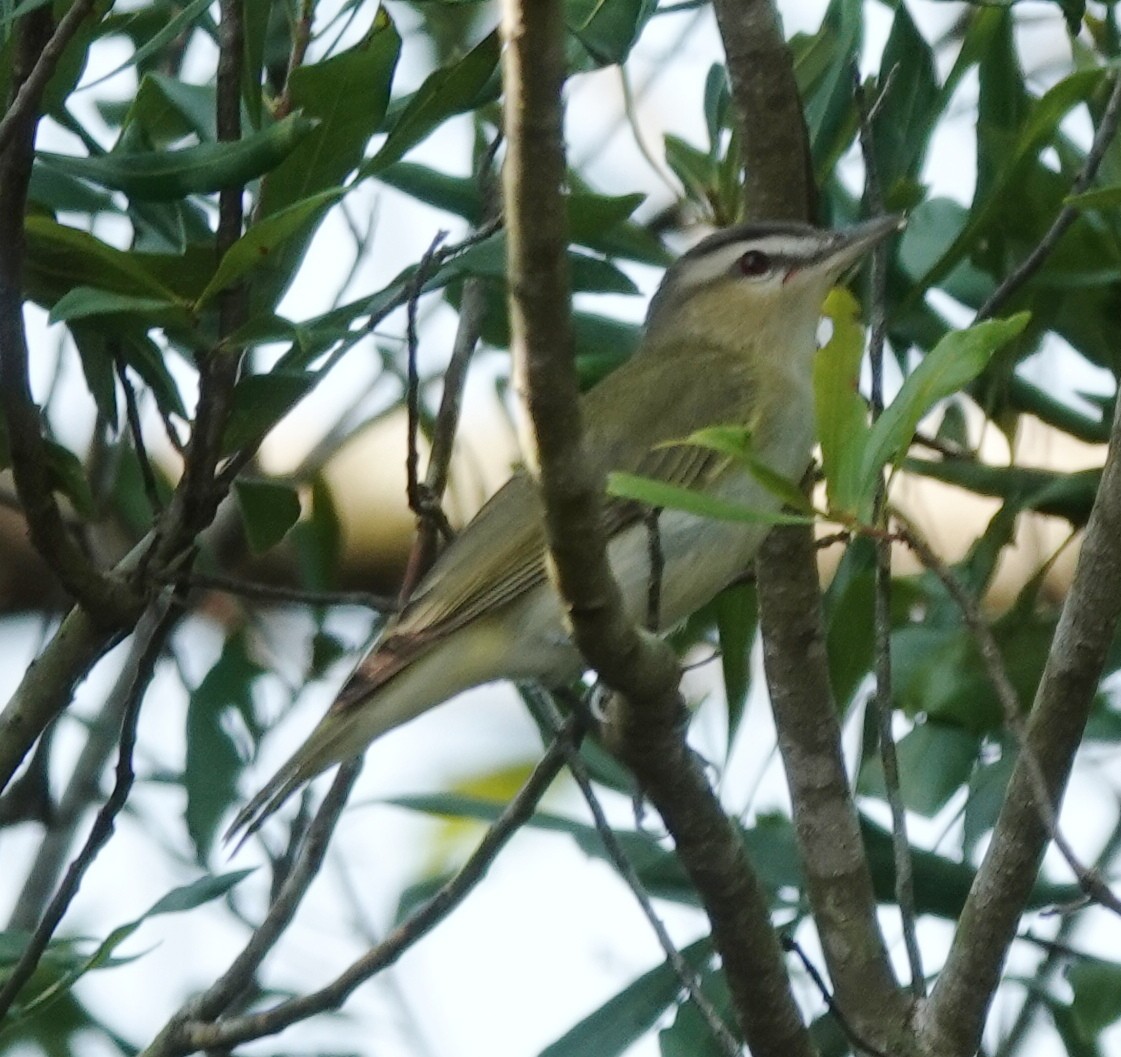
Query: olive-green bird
point(729, 340)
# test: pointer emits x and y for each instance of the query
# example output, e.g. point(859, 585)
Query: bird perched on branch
point(729, 340)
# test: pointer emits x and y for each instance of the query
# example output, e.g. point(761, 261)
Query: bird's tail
point(275, 792)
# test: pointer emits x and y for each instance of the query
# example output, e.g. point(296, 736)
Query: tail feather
point(263, 805)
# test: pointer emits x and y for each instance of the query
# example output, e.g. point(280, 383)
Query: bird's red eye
point(755, 263)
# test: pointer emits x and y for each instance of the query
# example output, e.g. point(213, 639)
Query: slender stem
point(155, 628)
point(30, 93)
point(230, 1031)
point(1107, 129)
point(882, 702)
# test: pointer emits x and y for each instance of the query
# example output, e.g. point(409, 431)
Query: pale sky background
point(550, 935)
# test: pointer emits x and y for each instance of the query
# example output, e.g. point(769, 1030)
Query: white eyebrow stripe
point(717, 262)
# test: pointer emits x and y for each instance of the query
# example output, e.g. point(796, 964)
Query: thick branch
point(647, 729)
point(776, 156)
point(838, 881)
point(954, 1019)
point(780, 186)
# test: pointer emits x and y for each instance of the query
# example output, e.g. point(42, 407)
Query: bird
point(729, 340)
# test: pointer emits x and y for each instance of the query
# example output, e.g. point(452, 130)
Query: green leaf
point(260, 401)
point(318, 539)
point(690, 1034)
point(1068, 495)
point(348, 95)
point(61, 258)
point(1097, 993)
point(626, 1017)
point(203, 169)
point(69, 477)
point(1004, 162)
point(658, 494)
point(187, 897)
point(737, 617)
point(735, 442)
point(1098, 198)
point(213, 761)
point(935, 761)
point(166, 110)
point(840, 410)
point(954, 362)
point(180, 22)
point(85, 301)
point(257, 247)
point(197, 893)
point(910, 107)
point(829, 102)
point(268, 510)
point(455, 89)
point(607, 30)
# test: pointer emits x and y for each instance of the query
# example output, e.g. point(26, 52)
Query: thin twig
point(30, 92)
point(472, 311)
point(132, 413)
point(882, 701)
point(657, 559)
point(154, 626)
point(622, 863)
point(789, 943)
point(196, 1035)
point(422, 502)
point(301, 37)
point(260, 592)
point(239, 976)
point(991, 657)
point(1107, 129)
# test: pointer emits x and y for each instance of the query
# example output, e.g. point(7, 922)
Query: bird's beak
point(851, 244)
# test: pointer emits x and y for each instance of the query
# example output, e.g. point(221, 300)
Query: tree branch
point(162, 617)
point(955, 1015)
point(229, 1032)
point(108, 601)
point(647, 725)
point(838, 881)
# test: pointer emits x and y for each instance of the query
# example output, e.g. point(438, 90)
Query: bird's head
point(754, 277)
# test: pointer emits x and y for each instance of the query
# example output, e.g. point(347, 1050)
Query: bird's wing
point(500, 554)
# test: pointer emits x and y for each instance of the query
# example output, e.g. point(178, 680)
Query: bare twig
point(30, 93)
point(789, 943)
point(657, 568)
point(952, 1019)
point(301, 38)
point(412, 396)
point(423, 502)
point(239, 976)
point(132, 412)
point(1107, 129)
point(261, 592)
point(154, 627)
point(622, 863)
point(83, 789)
point(199, 1035)
point(882, 701)
point(1012, 711)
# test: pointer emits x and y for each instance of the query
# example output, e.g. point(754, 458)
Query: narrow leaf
point(954, 362)
point(842, 415)
point(658, 494)
point(268, 510)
